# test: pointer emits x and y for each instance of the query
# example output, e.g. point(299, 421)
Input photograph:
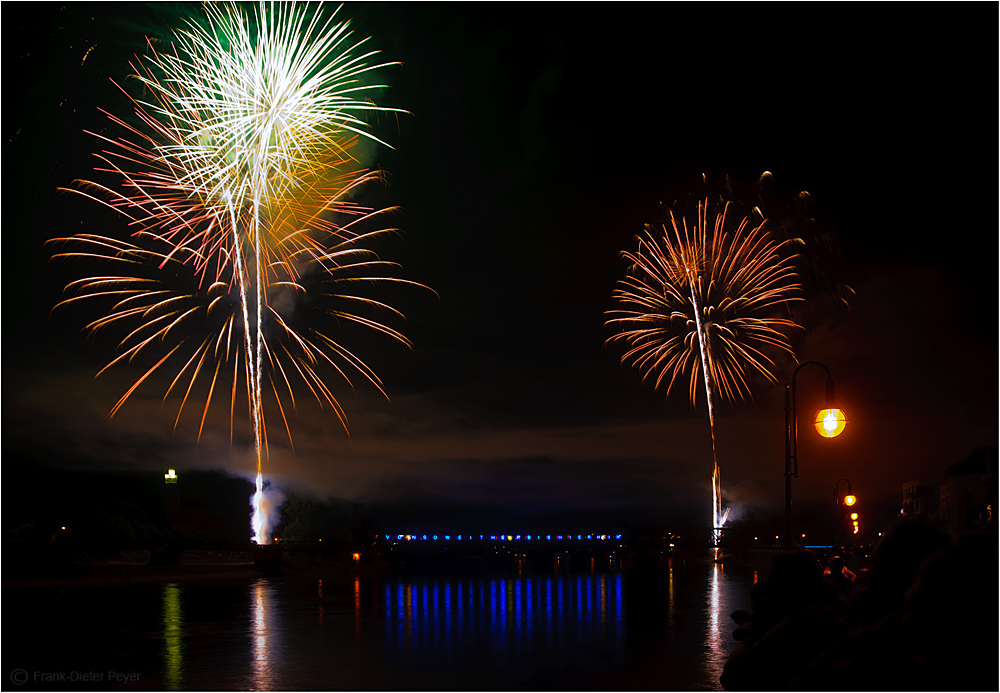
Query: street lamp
point(829, 423)
point(849, 500)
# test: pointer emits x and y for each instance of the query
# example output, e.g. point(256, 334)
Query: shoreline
point(137, 574)
point(137, 568)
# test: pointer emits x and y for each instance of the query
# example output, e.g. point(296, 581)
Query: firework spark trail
point(716, 480)
point(241, 154)
point(694, 304)
point(703, 350)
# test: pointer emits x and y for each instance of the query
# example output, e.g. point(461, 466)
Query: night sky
point(539, 140)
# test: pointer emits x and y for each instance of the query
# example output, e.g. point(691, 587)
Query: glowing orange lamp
point(830, 423)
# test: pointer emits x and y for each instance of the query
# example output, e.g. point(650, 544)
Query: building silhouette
point(963, 501)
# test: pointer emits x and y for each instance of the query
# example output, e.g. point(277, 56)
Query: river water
point(668, 629)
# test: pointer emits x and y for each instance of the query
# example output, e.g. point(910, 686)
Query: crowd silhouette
point(922, 616)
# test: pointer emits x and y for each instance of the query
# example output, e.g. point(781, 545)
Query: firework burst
point(237, 178)
point(699, 304)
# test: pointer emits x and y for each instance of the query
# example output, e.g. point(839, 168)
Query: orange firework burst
point(701, 303)
point(705, 296)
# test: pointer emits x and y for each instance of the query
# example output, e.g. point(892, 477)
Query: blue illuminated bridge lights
point(500, 537)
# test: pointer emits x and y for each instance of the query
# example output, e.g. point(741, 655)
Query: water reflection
point(714, 641)
point(726, 594)
point(263, 635)
point(515, 619)
point(357, 606)
point(319, 593)
point(671, 594)
point(173, 630)
point(529, 633)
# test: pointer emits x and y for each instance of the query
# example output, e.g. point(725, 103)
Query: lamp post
point(849, 500)
point(829, 422)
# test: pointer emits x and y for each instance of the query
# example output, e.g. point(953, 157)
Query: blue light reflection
point(520, 620)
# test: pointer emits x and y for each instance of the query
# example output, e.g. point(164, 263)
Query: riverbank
point(136, 568)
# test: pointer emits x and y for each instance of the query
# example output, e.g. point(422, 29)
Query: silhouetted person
point(949, 615)
point(923, 618)
point(792, 622)
point(893, 569)
point(840, 577)
point(942, 637)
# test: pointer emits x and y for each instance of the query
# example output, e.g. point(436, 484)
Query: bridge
point(539, 552)
point(544, 551)
point(457, 540)
point(686, 537)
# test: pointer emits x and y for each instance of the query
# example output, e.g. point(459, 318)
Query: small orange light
point(357, 556)
point(854, 516)
point(830, 423)
point(850, 500)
